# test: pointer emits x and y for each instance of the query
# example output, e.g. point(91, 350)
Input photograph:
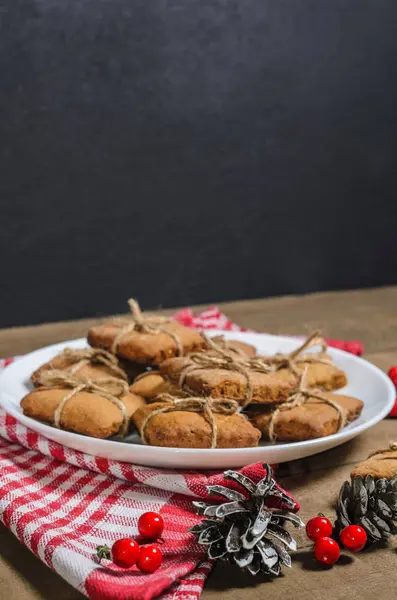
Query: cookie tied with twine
point(223, 358)
point(101, 387)
point(91, 363)
point(300, 396)
point(148, 323)
point(194, 422)
point(206, 406)
point(292, 360)
point(93, 356)
point(381, 464)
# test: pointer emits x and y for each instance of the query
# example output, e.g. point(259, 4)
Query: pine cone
point(370, 503)
point(245, 531)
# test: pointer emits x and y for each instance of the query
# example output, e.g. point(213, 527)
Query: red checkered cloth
point(61, 504)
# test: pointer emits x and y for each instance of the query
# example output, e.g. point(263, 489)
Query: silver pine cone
point(243, 530)
point(370, 503)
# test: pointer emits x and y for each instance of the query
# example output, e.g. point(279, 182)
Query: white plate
point(366, 382)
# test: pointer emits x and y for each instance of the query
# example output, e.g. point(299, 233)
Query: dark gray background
point(193, 151)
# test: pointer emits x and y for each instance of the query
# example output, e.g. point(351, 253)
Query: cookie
point(311, 420)
point(145, 348)
point(86, 412)
point(152, 385)
point(224, 383)
point(184, 429)
point(234, 345)
point(87, 363)
point(381, 465)
point(324, 375)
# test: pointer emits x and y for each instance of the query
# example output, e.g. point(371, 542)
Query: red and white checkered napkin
point(62, 503)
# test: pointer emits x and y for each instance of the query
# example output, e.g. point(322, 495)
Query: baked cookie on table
point(186, 429)
point(313, 419)
point(380, 465)
point(91, 363)
point(96, 409)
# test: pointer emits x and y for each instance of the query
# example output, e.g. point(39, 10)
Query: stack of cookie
point(277, 400)
point(181, 389)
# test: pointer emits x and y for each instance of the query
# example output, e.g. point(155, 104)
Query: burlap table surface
point(368, 315)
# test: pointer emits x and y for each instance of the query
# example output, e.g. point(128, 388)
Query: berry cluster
point(127, 552)
point(326, 550)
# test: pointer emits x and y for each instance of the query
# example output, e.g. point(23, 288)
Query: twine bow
point(92, 356)
point(223, 358)
point(148, 323)
point(293, 359)
point(300, 396)
point(58, 379)
point(207, 406)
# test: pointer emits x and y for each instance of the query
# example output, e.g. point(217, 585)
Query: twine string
point(292, 360)
point(92, 356)
point(207, 406)
point(56, 379)
point(300, 396)
point(223, 358)
point(392, 448)
point(140, 323)
point(220, 358)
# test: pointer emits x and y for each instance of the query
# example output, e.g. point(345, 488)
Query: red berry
point(150, 525)
point(150, 558)
point(326, 551)
point(318, 527)
point(125, 553)
point(392, 373)
point(353, 538)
